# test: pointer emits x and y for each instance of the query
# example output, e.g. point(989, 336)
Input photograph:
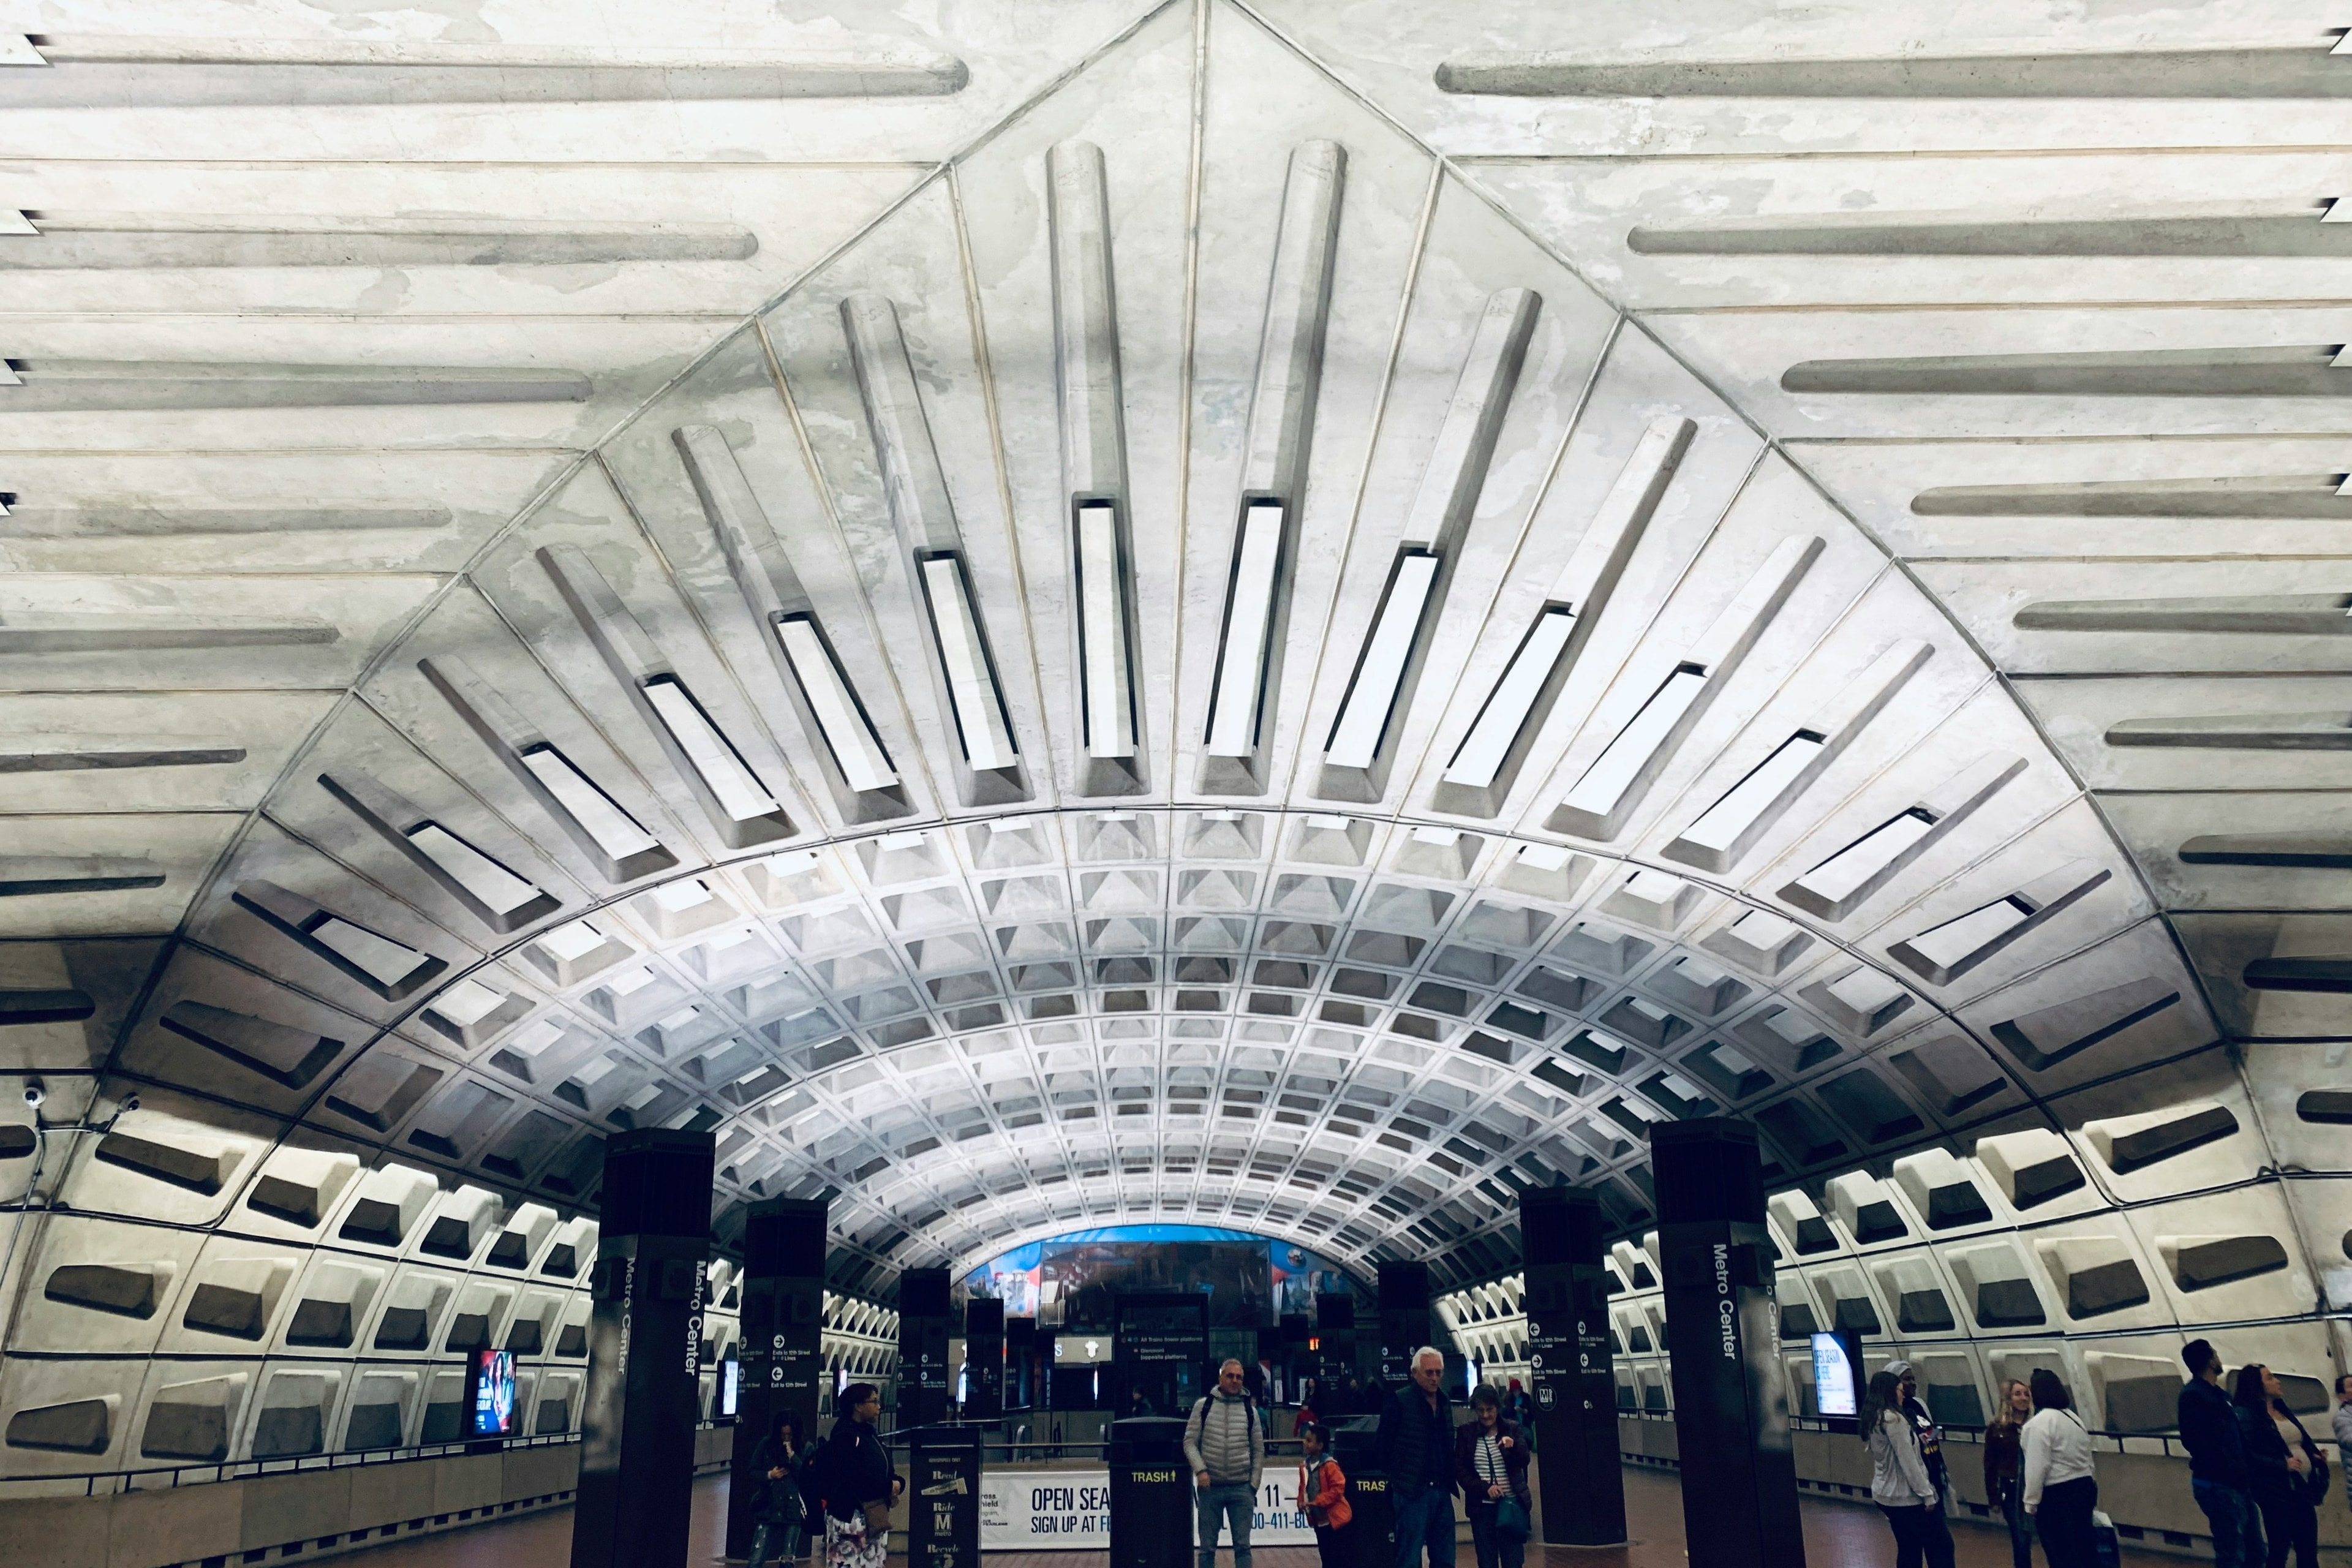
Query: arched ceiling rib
point(768, 772)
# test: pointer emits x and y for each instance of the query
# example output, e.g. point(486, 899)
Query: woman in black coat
point(2289, 1476)
point(853, 1478)
point(783, 1459)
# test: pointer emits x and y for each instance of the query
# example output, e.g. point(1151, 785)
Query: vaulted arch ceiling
point(1196, 611)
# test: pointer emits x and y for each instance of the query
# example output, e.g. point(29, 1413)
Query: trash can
point(943, 1504)
point(1374, 1530)
point(1150, 1494)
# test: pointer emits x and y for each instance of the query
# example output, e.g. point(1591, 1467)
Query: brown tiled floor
point(1837, 1535)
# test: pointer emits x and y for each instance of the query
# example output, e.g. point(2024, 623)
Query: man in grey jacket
point(1226, 1446)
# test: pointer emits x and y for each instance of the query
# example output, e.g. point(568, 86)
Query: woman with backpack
point(1323, 1496)
point(2061, 1491)
point(2290, 1473)
point(1900, 1483)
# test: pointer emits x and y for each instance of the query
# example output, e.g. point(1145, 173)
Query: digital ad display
point(731, 1386)
point(1835, 1381)
point(490, 1394)
point(1071, 1281)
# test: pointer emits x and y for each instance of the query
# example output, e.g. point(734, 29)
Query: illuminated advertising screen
point(1071, 1282)
point(1836, 1380)
point(490, 1394)
point(730, 1388)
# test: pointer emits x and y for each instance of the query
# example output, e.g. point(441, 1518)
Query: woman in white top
point(1898, 1478)
point(2060, 1490)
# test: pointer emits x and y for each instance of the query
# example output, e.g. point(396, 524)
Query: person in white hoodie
point(2060, 1490)
point(1900, 1483)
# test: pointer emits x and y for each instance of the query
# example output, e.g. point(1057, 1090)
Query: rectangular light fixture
point(732, 782)
point(1234, 701)
point(1365, 711)
point(1109, 689)
point(1838, 886)
point(978, 709)
point(1480, 755)
point(1598, 804)
point(1943, 953)
point(1730, 828)
point(840, 718)
point(614, 830)
point(494, 886)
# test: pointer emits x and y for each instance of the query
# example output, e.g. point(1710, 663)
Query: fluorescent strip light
point(732, 782)
point(1944, 952)
point(856, 751)
point(971, 693)
point(1943, 948)
point(1836, 879)
point(613, 829)
point(1371, 697)
point(1839, 885)
point(1721, 826)
point(496, 887)
point(388, 960)
point(1480, 756)
point(1622, 764)
point(1102, 633)
point(1249, 616)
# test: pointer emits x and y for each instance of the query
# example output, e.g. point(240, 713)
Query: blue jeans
point(2236, 1524)
point(1232, 1505)
point(1424, 1521)
point(2020, 1522)
point(775, 1544)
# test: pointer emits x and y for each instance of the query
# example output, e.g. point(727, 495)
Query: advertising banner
point(1056, 1510)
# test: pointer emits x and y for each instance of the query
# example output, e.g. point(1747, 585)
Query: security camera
point(129, 1102)
point(35, 1091)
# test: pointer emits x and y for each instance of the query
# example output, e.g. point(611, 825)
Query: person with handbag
point(854, 1476)
point(1900, 1483)
point(1490, 1465)
point(782, 1513)
point(2290, 1474)
point(1323, 1498)
point(2062, 1486)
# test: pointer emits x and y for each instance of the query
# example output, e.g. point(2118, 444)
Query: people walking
point(1490, 1465)
point(1225, 1445)
point(780, 1519)
point(1900, 1483)
point(2060, 1489)
point(2004, 1469)
point(852, 1475)
point(2219, 1477)
point(1414, 1444)
point(2289, 1473)
point(1323, 1498)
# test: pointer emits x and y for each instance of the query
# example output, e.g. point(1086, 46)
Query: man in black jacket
point(2218, 1472)
point(1414, 1444)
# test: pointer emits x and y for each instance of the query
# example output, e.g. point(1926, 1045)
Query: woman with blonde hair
point(2004, 1466)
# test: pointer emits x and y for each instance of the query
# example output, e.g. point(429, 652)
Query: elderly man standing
point(1226, 1446)
point(1416, 1446)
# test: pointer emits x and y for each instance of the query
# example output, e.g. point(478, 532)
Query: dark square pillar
point(1404, 1318)
point(1723, 1327)
point(784, 1249)
point(924, 1391)
point(984, 1359)
point(1567, 1305)
point(644, 1341)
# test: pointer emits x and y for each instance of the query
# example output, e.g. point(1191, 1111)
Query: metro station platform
point(1837, 1535)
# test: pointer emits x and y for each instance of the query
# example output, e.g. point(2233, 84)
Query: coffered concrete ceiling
point(1297, 616)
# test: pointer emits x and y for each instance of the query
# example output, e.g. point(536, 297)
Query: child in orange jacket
point(1323, 1496)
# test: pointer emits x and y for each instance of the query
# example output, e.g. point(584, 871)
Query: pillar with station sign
point(644, 1344)
point(1404, 1318)
point(984, 1359)
point(1575, 1392)
point(924, 1325)
point(1723, 1326)
point(784, 1249)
